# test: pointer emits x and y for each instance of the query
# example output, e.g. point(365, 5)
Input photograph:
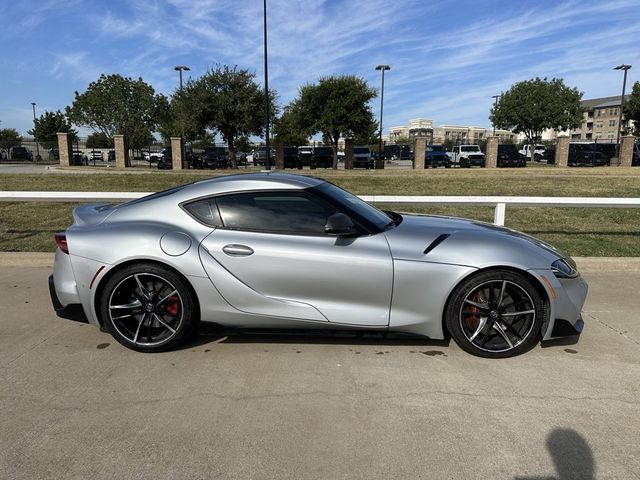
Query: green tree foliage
point(286, 128)
point(49, 125)
point(243, 144)
point(632, 107)
point(225, 99)
point(99, 140)
point(532, 106)
point(337, 106)
point(9, 138)
point(114, 104)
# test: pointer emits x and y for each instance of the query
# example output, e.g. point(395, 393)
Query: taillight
point(61, 241)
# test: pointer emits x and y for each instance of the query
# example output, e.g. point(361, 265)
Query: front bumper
point(72, 311)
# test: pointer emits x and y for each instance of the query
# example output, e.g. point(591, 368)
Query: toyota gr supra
point(280, 251)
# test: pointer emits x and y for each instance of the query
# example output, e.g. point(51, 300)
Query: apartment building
point(456, 133)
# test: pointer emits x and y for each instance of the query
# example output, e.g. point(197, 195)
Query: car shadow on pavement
point(571, 455)
point(210, 333)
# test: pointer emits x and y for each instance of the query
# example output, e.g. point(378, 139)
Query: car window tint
point(278, 212)
point(206, 211)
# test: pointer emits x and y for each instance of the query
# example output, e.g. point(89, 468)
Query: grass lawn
point(579, 231)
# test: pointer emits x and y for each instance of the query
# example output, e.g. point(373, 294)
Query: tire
point(482, 327)
point(148, 308)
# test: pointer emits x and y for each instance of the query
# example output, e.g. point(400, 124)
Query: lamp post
point(624, 85)
point(266, 89)
point(33, 104)
point(382, 69)
point(495, 103)
point(180, 69)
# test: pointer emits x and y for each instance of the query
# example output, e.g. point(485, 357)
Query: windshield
point(376, 219)
point(360, 150)
point(324, 151)
point(470, 148)
point(507, 148)
point(435, 148)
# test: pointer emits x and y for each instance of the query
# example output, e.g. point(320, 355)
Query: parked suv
point(361, 157)
point(165, 161)
point(585, 155)
point(436, 156)
point(291, 158)
point(323, 157)
point(260, 156)
point(20, 153)
point(509, 156)
point(212, 157)
point(305, 156)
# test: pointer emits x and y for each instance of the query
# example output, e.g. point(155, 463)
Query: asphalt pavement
point(76, 404)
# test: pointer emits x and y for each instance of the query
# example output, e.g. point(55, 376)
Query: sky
point(447, 58)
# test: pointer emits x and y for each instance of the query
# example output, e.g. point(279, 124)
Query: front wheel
point(495, 314)
point(148, 308)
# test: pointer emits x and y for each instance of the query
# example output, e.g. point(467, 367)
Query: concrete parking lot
point(76, 404)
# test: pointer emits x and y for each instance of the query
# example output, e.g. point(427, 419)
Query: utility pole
point(180, 68)
point(382, 68)
point(624, 85)
point(33, 104)
point(266, 90)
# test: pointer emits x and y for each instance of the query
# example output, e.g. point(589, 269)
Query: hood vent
point(439, 239)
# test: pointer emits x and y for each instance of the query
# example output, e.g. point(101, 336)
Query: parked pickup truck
point(538, 152)
point(466, 156)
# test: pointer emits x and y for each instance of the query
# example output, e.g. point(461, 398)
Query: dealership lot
point(75, 404)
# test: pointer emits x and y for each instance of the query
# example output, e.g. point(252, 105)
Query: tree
point(99, 140)
point(48, 126)
point(228, 100)
point(286, 129)
point(337, 106)
point(632, 107)
point(119, 105)
point(532, 106)
point(9, 138)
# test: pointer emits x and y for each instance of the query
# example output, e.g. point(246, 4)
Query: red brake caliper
point(472, 321)
point(172, 306)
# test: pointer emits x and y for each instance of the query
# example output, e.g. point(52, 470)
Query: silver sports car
point(272, 250)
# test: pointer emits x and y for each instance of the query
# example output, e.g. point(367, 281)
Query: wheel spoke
point(163, 323)
point(135, 338)
point(128, 306)
point(476, 304)
point(500, 330)
point(504, 285)
point(167, 296)
point(513, 314)
point(143, 290)
point(481, 325)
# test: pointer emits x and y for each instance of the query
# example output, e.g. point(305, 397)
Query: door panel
point(347, 280)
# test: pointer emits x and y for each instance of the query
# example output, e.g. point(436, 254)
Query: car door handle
point(235, 250)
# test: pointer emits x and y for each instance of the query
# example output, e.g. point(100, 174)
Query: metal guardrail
point(499, 203)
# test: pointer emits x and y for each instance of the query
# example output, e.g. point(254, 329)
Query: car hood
point(460, 241)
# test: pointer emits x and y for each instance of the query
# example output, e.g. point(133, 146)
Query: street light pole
point(180, 68)
point(382, 68)
point(495, 103)
point(266, 90)
point(624, 85)
point(35, 138)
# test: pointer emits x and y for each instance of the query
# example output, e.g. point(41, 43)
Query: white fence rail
point(499, 203)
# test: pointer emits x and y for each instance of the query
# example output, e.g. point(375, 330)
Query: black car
point(21, 153)
point(436, 156)
point(111, 156)
point(54, 155)
point(550, 155)
point(305, 156)
point(508, 156)
point(607, 149)
point(585, 155)
point(291, 158)
point(213, 157)
point(323, 157)
point(166, 162)
point(79, 158)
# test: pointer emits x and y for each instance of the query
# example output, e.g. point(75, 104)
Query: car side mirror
point(341, 225)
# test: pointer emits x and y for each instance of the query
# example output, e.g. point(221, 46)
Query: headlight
point(562, 269)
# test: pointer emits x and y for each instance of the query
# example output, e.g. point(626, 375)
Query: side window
point(206, 211)
point(277, 212)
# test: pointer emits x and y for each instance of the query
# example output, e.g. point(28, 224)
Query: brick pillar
point(348, 153)
point(122, 152)
point(626, 151)
point(562, 151)
point(419, 149)
point(491, 152)
point(176, 153)
point(279, 155)
point(65, 149)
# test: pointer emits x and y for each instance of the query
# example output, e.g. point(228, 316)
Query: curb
point(585, 264)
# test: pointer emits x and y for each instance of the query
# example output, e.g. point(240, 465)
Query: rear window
point(361, 150)
point(324, 151)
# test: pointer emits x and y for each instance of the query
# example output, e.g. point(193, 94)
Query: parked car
point(585, 155)
point(436, 156)
point(238, 251)
point(305, 155)
point(165, 161)
point(152, 157)
point(260, 156)
point(538, 152)
point(509, 156)
point(550, 155)
point(96, 155)
point(21, 153)
point(79, 158)
point(635, 160)
point(607, 149)
point(466, 156)
point(323, 157)
point(291, 158)
point(111, 156)
point(213, 157)
point(54, 155)
point(362, 157)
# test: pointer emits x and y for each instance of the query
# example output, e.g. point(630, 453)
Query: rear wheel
point(495, 314)
point(147, 308)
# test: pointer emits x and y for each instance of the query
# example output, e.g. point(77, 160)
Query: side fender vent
point(439, 239)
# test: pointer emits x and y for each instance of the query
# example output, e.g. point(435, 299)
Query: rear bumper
point(72, 311)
